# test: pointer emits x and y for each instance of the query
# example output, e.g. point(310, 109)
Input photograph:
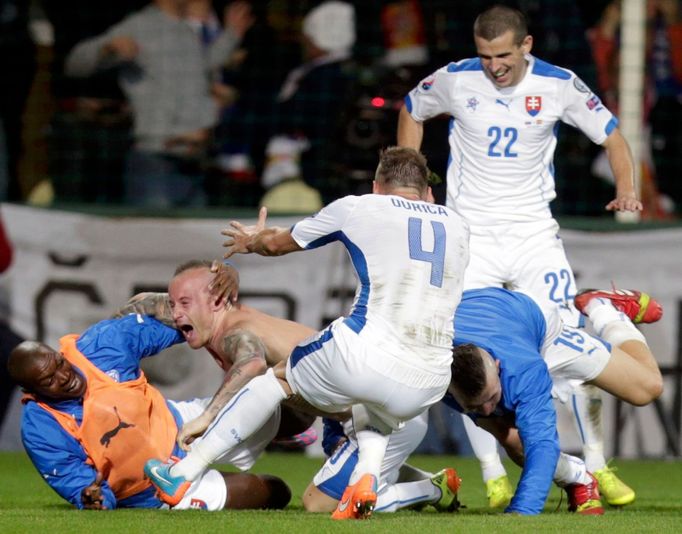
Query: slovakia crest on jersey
point(533, 105)
point(198, 504)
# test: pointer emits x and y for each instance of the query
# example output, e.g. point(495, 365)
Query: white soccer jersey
point(409, 257)
point(502, 141)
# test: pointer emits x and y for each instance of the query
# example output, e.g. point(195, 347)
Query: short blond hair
point(403, 167)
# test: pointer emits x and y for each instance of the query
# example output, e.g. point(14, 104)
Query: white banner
point(71, 270)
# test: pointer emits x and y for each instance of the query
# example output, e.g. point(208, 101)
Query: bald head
point(41, 370)
point(23, 358)
point(192, 264)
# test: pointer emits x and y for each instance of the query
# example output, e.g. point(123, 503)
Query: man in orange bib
point(91, 420)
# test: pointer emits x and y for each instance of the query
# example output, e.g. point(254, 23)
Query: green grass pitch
point(27, 504)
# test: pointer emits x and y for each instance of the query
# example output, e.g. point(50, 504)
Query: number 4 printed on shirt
point(436, 257)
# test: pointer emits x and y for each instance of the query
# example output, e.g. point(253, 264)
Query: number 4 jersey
point(409, 257)
point(502, 141)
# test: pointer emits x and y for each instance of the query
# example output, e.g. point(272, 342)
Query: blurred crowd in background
point(193, 103)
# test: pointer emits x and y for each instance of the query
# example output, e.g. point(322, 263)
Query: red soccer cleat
point(584, 498)
point(358, 501)
point(638, 306)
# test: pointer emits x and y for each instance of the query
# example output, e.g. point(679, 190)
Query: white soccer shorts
point(528, 257)
point(573, 357)
point(336, 368)
point(333, 477)
point(208, 492)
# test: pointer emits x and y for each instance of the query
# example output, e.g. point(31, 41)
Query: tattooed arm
point(155, 304)
point(247, 353)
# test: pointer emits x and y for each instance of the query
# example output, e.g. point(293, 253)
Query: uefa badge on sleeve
point(533, 105)
point(426, 84)
point(593, 102)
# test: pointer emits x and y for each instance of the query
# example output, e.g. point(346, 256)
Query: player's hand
point(241, 237)
point(626, 202)
point(192, 430)
point(92, 497)
point(225, 283)
point(135, 304)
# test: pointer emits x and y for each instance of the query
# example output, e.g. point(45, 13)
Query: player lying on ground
point(91, 420)
point(506, 357)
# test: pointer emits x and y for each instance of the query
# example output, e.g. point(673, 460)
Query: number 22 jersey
point(502, 140)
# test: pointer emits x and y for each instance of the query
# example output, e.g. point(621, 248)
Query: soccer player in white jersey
point(505, 107)
point(390, 358)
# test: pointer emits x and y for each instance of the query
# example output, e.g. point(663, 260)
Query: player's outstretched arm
point(410, 132)
point(622, 166)
point(247, 352)
point(258, 239)
point(155, 304)
point(506, 435)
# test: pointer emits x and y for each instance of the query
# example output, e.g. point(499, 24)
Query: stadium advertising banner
point(70, 270)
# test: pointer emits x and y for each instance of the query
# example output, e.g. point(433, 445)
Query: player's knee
point(648, 392)
point(314, 501)
point(279, 492)
point(310, 504)
point(655, 387)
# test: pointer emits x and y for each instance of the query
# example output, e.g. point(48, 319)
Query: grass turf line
point(27, 504)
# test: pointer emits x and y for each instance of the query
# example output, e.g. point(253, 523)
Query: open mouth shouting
point(187, 331)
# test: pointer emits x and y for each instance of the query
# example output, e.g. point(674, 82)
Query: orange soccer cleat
point(358, 501)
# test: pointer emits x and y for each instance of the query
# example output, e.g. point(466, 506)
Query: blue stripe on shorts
point(303, 350)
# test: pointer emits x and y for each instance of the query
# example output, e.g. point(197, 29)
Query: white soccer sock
point(594, 456)
point(484, 445)
point(372, 435)
point(586, 404)
point(570, 470)
point(410, 473)
point(371, 451)
point(397, 496)
point(246, 412)
point(610, 324)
